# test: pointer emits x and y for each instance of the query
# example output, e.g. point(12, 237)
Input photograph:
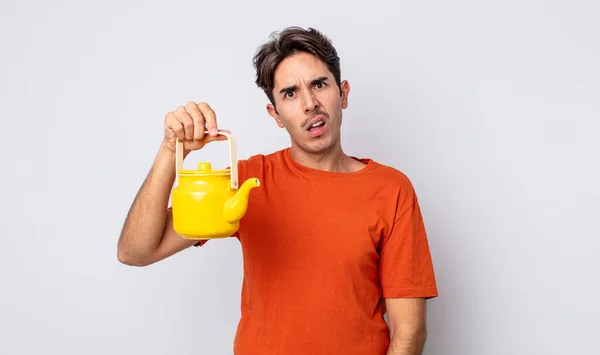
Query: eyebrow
point(293, 88)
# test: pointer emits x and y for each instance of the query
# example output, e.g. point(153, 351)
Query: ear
point(273, 113)
point(345, 89)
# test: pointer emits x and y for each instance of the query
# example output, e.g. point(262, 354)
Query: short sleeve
point(406, 267)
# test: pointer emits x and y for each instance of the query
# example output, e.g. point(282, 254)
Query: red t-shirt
point(321, 250)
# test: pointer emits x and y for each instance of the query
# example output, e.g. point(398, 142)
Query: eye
point(320, 85)
point(289, 94)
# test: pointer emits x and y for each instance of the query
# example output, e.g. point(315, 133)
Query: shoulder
point(394, 183)
point(390, 176)
point(258, 160)
point(257, 164)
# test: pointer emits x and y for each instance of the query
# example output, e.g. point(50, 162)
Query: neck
point(334, 159)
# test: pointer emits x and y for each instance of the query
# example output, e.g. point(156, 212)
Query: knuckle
point(178, 129)
point(171, 119)
point(205, 107)
point(198, 119)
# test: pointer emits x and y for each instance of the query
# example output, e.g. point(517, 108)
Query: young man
point(330, 242)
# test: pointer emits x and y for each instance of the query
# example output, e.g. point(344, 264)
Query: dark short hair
point(290, 41)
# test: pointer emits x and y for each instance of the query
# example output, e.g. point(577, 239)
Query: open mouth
point(316, 125)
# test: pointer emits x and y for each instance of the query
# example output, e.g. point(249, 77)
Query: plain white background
point(490, 107)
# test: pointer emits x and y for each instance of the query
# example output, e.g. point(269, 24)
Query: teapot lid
point(204, 169)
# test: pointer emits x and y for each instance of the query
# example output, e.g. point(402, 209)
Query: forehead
point(299, 68)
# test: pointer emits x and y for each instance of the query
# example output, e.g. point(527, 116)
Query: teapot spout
point(235, 207)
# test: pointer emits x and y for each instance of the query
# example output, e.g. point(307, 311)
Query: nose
point(310, 102)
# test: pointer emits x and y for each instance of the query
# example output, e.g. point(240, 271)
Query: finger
point(218, 137)
point(198, 119)
point(221, 137)
point(186, 121)
point(210, 118)
point(173, 123)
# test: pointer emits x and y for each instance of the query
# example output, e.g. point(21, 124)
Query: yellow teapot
point(206, 203)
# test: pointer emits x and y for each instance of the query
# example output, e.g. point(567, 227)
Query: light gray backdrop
point(490, 107)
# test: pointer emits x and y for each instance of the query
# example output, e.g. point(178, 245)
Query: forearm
point(144, 226)
point(407, 342)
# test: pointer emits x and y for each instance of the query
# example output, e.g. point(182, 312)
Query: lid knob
point(204, 166)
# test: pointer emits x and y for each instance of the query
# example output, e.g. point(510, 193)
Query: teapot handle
point(233, 159)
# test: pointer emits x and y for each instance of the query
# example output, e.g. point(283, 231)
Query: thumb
point(218, 137)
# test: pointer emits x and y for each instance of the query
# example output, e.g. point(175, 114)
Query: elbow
point(129, 258)
point(131, 261)
point(403, 335)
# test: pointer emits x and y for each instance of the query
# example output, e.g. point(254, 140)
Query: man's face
point(308, 101)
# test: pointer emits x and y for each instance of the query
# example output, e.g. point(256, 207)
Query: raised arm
point(147, 235)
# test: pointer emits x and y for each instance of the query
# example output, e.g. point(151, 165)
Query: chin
point(318, 145)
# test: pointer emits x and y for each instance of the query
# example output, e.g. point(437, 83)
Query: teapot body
point(197, 206)
point(207, 203)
